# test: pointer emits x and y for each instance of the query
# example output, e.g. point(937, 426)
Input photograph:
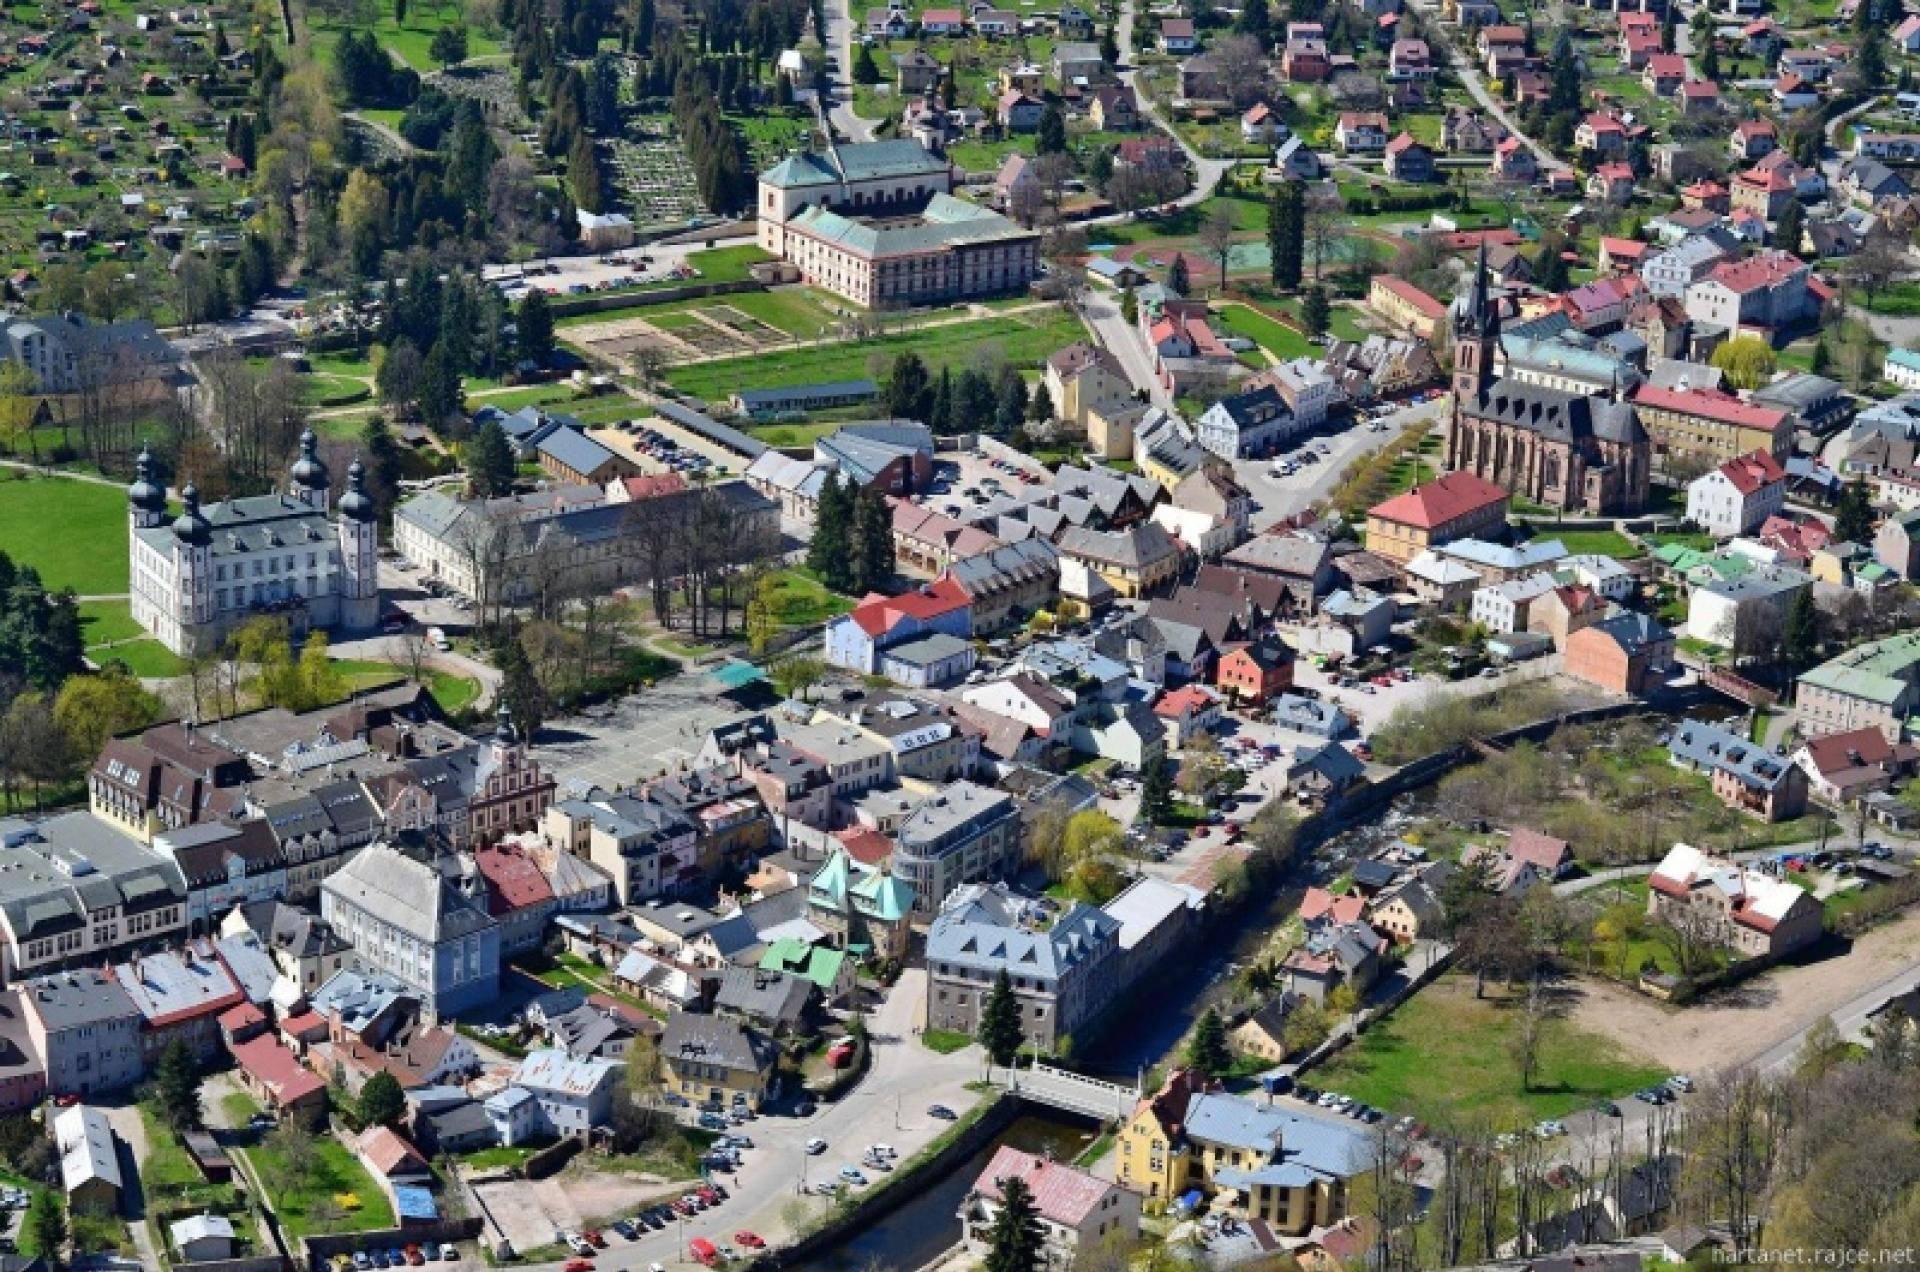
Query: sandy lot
point(1742, 1023)
point(531, 1212)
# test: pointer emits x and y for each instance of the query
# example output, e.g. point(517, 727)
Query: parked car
point(816, 1146)
point(942, 1112)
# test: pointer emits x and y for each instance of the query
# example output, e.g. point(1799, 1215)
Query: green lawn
point(148, 659)
point(1443, 1050)
point(1276, 338)
point(169, 1175)
point(945, 1041)
point(335, 1175)
point(103, 621)
point(726, 264)
point(796, 311)
point(452, 692)
point(411, 41)
point(1609, 543)
point(794, 435)
point(73, 532)
point(1021, 340)
point(800, 600)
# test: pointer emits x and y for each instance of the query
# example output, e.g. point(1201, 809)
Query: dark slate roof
point(1556, 415)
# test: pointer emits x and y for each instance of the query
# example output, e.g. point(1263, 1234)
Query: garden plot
point(683, 335)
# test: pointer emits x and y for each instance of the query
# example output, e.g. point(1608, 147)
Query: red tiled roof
point(1406, 291)
point(1708, 404)
point(867, 846)
point(877, 615)
point(1663, 65)
point(1837, 752)
point(1625, 249)
point(303, 1024)
point(241, 1016)
point(1061, 1194)
point(1752, 471)
point(1536, 849)
point(275, 1068)
point(653, 485)
point(389, 1154)
point(1177, 702)
point(514, 882)
point(1318, 903)
point(1401, 144)
point(1439, 501)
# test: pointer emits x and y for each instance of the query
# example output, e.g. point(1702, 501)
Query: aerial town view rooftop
point(1167, 636)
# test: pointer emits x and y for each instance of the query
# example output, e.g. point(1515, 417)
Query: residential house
point(1844, 767)
point(711, 1060)
point(1738, 496)
point(1134, 562)
point(421, 917)
point(1745, 775)
point(1361, 132)
point(1286, 1167)
point(1408, 160)
point(89, 1156)
point(552, 1095)
point(1755, 915)
point(1246, 424)
point(1458, 505)
point(1074, 1210)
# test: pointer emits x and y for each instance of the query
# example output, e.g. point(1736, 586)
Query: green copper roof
point(809, 962)
point(1880, 671)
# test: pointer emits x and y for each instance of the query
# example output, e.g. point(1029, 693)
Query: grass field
point(1278, 339)
point(452, 692)
point(73, 532)
point(1445, 1050)
point(105, 621)
point(147, 659)
point(799, 600)
point(793, 310)
point(1021, 340)
point(411, 41)
point(169, 1175)
point(335, 1176)
point(1608, 543)
point(726, 264)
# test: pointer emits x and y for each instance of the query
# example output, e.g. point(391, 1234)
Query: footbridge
point(1071, 1092)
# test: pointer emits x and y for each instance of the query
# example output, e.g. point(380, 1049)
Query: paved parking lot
point(645, 735)
point(1281, 497)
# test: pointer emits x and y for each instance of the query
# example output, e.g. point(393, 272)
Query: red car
point(749, 1240)
point(594, 1238)
point(578, 1265)
point(66, 1101)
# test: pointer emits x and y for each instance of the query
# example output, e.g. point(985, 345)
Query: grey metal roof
point(1556, 415)
point(1708, 746)
point(946, 221)
point(71, 1000)
point(779, 998)
point(407, 893)
point(85, 1142)
point(714, 1040)
point(54, 873)
point(979, 927)
point(257, 523)
point(575, 451)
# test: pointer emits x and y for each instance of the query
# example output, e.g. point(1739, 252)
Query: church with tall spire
point(1571, 452)
point(291, 554)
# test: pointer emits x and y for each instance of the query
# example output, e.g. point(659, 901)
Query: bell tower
point(1476, 337)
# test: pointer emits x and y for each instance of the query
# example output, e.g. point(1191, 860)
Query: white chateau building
point(207, 571)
